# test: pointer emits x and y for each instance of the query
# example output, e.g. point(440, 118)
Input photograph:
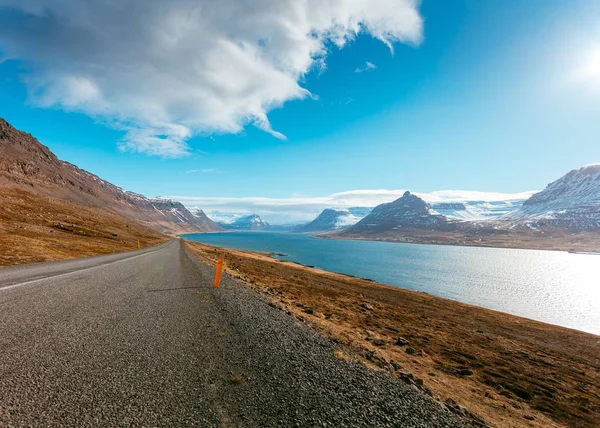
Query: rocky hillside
point(405, 213)
point(175, 213)
point(571, 202)
point(330, 219)
point(27, 165)
point(249, 222)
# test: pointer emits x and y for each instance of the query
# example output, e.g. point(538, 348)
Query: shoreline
point(500, 368)
point(541, 244)
point(545, 244)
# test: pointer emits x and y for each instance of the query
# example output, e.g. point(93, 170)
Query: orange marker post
point(218, 273)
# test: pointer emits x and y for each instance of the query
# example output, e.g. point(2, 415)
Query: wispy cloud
point(299, 209)
point(368, 66)
point(168, 71)
point(204, 171)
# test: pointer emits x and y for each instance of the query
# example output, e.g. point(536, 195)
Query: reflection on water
point(554, 287)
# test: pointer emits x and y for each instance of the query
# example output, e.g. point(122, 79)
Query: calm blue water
point(554, 287)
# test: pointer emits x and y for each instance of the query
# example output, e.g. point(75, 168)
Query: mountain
point(571, 202)
point(27, 165)
point(407, 212)
point(331, 219)
point(175, 214)
point(249, 222)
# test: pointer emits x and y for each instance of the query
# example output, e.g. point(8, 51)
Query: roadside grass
point(35, 228)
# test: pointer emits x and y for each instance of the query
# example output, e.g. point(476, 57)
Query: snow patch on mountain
point(477, 210)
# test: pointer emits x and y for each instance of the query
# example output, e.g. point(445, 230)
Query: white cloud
point(300, 209)
point(165, 71)
point(368, 66)
point(204, 171)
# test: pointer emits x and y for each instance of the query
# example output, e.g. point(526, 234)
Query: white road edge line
point(8, 287)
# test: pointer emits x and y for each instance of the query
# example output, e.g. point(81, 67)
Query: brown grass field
point(503, 370)
point(35, 228)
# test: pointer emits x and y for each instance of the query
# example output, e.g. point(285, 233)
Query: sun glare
point(588, 71)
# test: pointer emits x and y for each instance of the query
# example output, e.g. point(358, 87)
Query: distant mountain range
point(570, 204)
point(250, 222)
point(557, 217)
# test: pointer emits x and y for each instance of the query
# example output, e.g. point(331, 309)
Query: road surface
point(142, 339)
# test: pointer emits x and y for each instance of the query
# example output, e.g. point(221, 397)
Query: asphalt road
point(142, 339)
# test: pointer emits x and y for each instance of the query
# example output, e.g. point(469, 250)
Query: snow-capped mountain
point(407, 212)
point(571, 202)
point(331, 219)
point(249, 222)
point(174, 212)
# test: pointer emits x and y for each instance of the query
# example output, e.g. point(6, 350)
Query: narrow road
point(142, 339)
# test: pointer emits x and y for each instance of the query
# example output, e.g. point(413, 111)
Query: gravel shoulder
point(147, 341)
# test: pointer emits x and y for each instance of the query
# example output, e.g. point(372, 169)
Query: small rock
point(407, 375)
point(378, 342)
point(395, 365)
point(419, 382)
point(410, 350)
point(465, 372)
point(400, 341)
point(367, 306)
point(308, 310)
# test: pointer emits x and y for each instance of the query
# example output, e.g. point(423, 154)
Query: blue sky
point(498, 96)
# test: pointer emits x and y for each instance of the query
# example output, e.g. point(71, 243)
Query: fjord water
point(550, 286)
